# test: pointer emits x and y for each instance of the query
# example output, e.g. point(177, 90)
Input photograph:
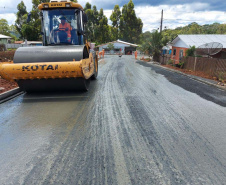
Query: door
point(181, 54)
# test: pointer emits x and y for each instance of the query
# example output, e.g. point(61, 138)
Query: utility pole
point(161, 22)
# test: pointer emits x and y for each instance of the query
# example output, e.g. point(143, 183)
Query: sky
point(176, 13)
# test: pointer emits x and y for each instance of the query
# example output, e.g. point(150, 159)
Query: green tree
point(115, 18)
point(4, 27)
point(194, 28)
point(21, 17)
point(35, 24)
point(102, 28)
point(130, 26)
point(110, 46)
point(190, 52)
point(13, 32)
point(145, 47)
point(145, 42)
point(87, 6)
point(93, 22)
point(221, 29)
point(156, 45)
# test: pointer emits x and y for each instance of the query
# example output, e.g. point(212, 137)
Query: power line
point(165, 12)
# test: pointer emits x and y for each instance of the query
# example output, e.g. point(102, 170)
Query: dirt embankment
point(196, 73)
point(6, 56)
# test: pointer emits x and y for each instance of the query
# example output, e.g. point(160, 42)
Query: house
point(33, 43)
point(4, 39)
point(182, 42)
point(167, 49)
point(119, 47)
point(18, 42)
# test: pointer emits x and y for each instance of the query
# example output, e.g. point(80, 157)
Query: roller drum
point(51, 54)
point(48, 54)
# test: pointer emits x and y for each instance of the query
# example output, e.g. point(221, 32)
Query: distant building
point(166, 50)
point(119, 47)
point(182, 42)
point(33, 43)
point(18, 42)
point(4, 39)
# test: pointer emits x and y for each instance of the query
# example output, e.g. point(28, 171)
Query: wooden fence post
point(195, 63)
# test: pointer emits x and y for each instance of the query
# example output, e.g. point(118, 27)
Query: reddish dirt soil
point(6, 85)
point(146, 59)
point(195, 73)
point(6, 55)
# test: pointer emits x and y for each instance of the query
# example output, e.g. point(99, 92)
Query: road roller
point(64, 61)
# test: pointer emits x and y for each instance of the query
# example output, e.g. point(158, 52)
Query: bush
point(180, 65)
point(222, 76)
point(170, 62)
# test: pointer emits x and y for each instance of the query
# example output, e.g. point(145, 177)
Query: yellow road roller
point(64, 62)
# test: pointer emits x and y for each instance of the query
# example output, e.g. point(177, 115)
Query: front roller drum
point(65, 84)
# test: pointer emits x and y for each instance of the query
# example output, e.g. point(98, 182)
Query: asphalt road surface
point(138, 124)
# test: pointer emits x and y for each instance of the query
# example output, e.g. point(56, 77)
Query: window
point(57, 32)
point(174, 51)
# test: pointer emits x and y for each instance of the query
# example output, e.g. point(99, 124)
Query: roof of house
point(198, 40)
point(33, 42)
point(4, 37)
point(119, 41)
point(18, 42)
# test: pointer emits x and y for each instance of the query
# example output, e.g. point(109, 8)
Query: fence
point(164, 59)
point(211, 66)
point(15, 46)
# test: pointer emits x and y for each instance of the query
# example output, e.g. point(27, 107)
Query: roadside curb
point(10, 94)
point(190, 76)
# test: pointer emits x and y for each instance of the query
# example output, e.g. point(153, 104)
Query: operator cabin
point(62, 26)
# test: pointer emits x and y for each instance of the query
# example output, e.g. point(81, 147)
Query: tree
point(222, 29)
point(115, 18)
point(21, 17)
point(194, 28)
point(32, 29)
point(91, 26)
point(130, 26)
point(87, 6)
point(145, 47)
point(190, 52)
point(156, 44)
point(13, 33)
point(145, 42)
point(102, 29)
point(110, 46)
point(4, 27)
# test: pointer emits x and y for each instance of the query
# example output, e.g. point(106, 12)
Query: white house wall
point(180, 44)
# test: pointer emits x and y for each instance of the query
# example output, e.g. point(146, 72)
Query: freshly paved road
point(138, 124)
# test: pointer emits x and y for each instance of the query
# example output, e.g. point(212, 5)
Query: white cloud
point(10, 6)
point(10, 17)
point(174, 15)
point(177, 15)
